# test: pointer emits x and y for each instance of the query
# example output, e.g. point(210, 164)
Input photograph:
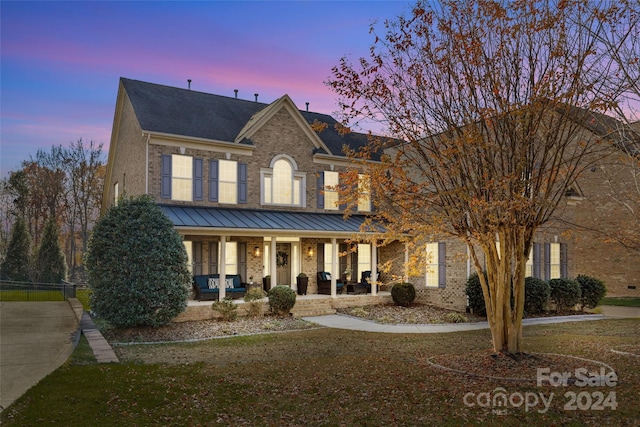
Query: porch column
point(334, 267)
point(374, 268)
point(222, 288)
point(272, 262)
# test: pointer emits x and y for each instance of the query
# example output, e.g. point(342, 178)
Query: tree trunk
point(506, 268)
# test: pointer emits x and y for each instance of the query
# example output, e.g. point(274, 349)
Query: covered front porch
point(268, 248)
point(306, 305)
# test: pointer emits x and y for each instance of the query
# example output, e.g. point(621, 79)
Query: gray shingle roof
point(190, 113)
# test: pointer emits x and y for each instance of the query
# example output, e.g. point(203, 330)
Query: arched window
point(282, 184)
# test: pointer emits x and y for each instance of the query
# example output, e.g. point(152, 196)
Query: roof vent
point(189, 84)
point(256, 95)
point(236, 92)
point(307, 106)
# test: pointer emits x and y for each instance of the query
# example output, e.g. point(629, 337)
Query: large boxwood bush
point(565, 293)
point(403, 294)
point(281, 300)
point(137, 266)
point(592, 290)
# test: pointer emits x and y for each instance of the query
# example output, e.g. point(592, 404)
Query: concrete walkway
point(353, 323)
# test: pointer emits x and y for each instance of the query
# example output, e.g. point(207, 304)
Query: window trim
point(297, 176)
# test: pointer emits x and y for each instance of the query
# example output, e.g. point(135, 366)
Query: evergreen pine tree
point(17, 264)
point(51, 266)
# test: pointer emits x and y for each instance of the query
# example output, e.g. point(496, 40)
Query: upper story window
point(331, 181)
point(364, 190)
point(227, 181)
point(282, 184)
point(181, 177)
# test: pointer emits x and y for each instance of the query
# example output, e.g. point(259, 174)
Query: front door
point(283, 264)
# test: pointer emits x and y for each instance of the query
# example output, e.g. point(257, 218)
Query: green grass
point(30, 295)
point(321, 377)
point(622, 301)
point(83, 296)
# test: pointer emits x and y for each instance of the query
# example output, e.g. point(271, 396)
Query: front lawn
point(622, 301)
point(331, 377)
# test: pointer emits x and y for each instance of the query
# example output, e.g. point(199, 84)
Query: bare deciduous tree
point(489, 98)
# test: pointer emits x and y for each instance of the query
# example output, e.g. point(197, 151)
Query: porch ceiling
point(199, 219)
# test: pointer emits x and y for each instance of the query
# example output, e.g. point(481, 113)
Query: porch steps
point(313, 307)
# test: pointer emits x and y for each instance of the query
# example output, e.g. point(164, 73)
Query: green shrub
point(565, 293)
point(592, 290)
point(281, 300)
point(536, 295)
point(474, 293)
point(403, 294)
point(137, 266)
point(227, 309)
point(252, 299)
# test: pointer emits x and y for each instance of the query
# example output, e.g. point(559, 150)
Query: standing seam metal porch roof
point(266, 220)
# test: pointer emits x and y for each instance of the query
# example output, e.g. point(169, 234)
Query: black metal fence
point(27, 291)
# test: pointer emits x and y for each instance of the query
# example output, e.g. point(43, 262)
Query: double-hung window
point(181, 177)
point(364, 191)
point(227, 182)
point(331, 181)
point(436, 266)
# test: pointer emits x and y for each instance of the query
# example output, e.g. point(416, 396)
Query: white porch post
point(374, 268)
point(272, 261)
point(334, 267)
point(406, 262)
point(222, 288)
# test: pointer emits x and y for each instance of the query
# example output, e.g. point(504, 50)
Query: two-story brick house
point(250, 186)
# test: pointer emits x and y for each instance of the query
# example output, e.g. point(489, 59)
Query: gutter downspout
point(146, 163)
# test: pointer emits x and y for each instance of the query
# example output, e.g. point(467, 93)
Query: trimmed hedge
point(281, 299)
point(565, 293)
point(536, 295)
point(592, 290)
point(403, 294)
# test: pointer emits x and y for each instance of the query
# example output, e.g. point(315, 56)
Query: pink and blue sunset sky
point(61, 61)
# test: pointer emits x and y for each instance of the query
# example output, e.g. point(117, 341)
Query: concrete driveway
point(35, 339)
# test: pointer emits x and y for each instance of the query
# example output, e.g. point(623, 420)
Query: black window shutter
point(242, 260)
point(320, 256)
point(197, 178)
point(537, 260)
point(213, 258)
point(320, 185)
point(547, 261)
point(242, 183)
point(442, 264)
point(197, 258)
point(213, 180)
point(165, 191)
